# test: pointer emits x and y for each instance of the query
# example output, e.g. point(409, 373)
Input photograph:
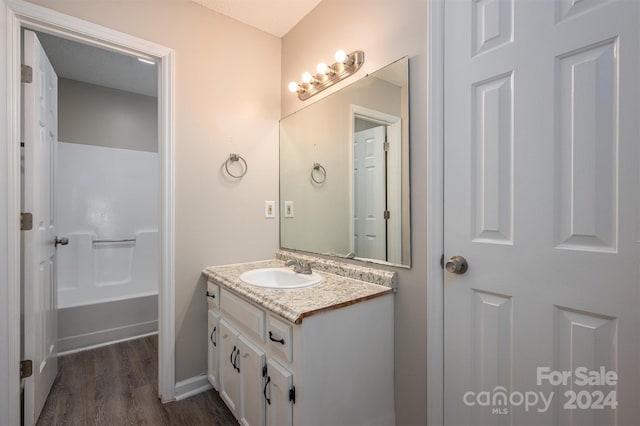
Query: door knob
point(61, 241)
point(457, 265)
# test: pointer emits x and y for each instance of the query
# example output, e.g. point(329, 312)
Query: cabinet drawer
point(279, 337)
point(213, 295)
point(246, 315)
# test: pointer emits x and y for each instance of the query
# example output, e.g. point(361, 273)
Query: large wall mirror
point(344, 171)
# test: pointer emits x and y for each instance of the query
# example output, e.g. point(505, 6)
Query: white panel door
point(369, 193)
point(229, 374)
point(251, 363)
point(279, 406)
point(40, 113)
point(541, 198)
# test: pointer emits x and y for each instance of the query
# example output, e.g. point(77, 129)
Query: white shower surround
point(106, 194)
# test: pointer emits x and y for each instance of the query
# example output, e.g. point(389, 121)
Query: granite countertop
point(335, 291)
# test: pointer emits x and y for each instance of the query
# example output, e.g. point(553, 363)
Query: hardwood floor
point(118, 385)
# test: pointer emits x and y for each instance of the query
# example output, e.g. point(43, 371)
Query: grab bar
point(126, 240)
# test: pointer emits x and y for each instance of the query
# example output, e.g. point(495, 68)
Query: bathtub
point(95, 270)
point(107, 205)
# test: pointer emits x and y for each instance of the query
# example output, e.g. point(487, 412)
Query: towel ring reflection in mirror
point(318, 173)
point(233, 158)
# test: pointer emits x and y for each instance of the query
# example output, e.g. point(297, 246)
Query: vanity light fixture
point(328, 75)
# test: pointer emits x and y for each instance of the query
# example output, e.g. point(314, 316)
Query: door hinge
point(26, 368)
point(387, 215)
point(264, 370)
point(26, 74)
point(292, 394)
point(442, 261)
point(386, 146)
point(26, 221)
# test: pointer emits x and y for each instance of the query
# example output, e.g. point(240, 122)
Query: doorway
point(19, 15)
point(91, 184)
point(106, 187)
point(376, 201)
point(370, 229)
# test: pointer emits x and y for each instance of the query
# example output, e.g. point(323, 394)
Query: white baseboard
point(73, 351)
point(100, 338)
point(192, 386)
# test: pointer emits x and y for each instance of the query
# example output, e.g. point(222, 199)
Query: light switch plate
point(288, 209)
point(270, 209)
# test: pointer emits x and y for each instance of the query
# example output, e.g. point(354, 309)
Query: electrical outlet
point(288, 209)
point(270, 209)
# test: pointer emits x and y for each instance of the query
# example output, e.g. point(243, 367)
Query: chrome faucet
point(299, 266)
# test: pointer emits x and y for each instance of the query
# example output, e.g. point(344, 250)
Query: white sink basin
point(280, 278)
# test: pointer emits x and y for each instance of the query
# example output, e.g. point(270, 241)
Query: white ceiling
point(81, 62)
point(275, 17)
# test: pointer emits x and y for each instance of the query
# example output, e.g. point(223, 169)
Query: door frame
point(18, 14)
point(435, 212)
point(394, 135)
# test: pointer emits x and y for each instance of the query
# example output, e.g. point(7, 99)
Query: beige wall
point(96, 115)
point(227, 94)
point(385, 30)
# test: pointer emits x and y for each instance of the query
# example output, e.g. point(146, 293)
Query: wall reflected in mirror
point(344, 171)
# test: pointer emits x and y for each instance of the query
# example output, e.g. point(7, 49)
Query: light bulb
point(322, 68)
point(341, 55)
point(293, 87)
point(306, 77)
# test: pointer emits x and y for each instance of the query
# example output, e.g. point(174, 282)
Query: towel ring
point(321, 171)
point(232, 158)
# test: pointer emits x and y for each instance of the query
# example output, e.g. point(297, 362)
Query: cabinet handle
point(211, 295)
point(281, 341)
point(235, 360)
point(264, 391)
point(231, 357)
point(211, 337)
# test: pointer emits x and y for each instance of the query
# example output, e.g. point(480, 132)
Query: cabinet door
point(279, 406)
point(213, 357)
point(229, 375)
point(252, 362)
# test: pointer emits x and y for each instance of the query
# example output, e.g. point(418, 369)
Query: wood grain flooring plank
point(118, 385)
point(149, 410)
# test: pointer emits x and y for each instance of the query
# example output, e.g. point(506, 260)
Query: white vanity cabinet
point(334, 367)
